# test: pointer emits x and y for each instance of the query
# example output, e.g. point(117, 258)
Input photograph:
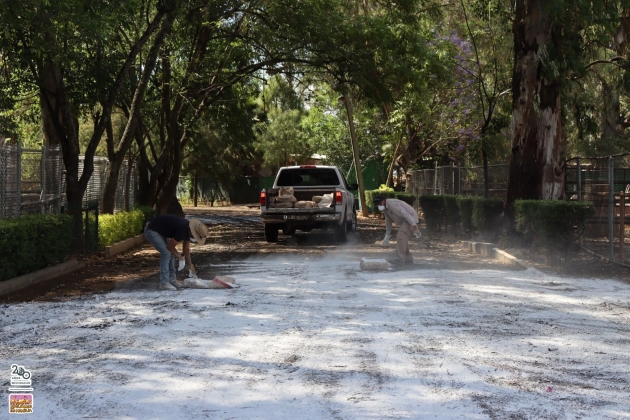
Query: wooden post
point(355, 153)
point(622, 224)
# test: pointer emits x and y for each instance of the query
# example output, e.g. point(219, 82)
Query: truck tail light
point(338, 197)
point(263, 198)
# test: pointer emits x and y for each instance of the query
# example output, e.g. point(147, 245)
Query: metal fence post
point(43, 181)
point(18, 178)
point(3, 182)
point(579, 179)
point(424, 181)
point(622, 225)
point(611, 206)
point(435, 179)
point(60, 182)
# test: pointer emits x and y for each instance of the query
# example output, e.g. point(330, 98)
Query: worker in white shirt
point(406, 218)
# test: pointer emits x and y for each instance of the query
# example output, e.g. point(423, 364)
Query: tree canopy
point(226, 88)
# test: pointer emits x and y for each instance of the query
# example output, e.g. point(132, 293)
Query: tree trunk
point(116, 158)
point(59, 127)
point(537, 167)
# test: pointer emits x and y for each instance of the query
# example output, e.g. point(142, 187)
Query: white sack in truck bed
point(326, 200)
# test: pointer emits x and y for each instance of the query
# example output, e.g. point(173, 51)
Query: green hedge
point(452, 210)
point(552, 221)
point(486, 216)
point(465, 205)
point(406, 197)
point(30, 243)
point(387, 193)
point(117, 227)
point(434, 210)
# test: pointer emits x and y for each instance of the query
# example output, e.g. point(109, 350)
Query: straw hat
point(198, 230)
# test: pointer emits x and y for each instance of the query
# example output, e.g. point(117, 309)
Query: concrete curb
point(44, 274)
point(490, 250)
point(67, 267)
point(123, 246)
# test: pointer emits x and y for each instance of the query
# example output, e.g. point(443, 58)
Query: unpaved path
point(308, 335)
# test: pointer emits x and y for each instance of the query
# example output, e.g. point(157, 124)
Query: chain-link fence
point(33, 181)
point(456, 180)
point(602, 181)
point(126, 190)
point(30, 180)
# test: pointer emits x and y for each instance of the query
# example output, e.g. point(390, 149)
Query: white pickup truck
point(308, 197)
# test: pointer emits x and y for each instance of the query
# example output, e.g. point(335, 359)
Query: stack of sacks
point(285, 198)
point(325, 201)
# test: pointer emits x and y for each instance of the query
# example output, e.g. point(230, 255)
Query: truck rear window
point(299, 177)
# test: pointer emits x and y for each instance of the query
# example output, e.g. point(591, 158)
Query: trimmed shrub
point(383, 192)
point(149, 213)
point(552, 221)
point(452, 210)
point(117, 227)
point(434, 211)
point(486, 215)
point(465, 205)
point(32, 242)
point(406, 197)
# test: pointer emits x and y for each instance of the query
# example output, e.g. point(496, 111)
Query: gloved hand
point(416, 231)
point(386, 239)
point(182, 264)
point(192, 273)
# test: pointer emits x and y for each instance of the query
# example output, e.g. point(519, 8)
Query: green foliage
point(406, 197)
point(452, 210)
point(486, 215)
point(552, 221)
point(465, 204)
point(148, 212)
point(32, 242)
point(280, 138)
point(117, 227)
point(382, 192)
point(434, 209)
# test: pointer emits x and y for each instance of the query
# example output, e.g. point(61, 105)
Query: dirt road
point(308, 335)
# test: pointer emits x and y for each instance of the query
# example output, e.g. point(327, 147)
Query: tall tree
point(537, 161)
point(550, 38)
point(62, 49)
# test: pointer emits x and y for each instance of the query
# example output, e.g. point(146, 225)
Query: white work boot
point(167, 286)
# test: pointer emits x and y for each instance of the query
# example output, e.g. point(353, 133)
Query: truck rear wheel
point(271, 232)
point(352, 224)
point(341, 232)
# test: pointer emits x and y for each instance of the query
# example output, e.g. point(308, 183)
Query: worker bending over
point(406, 218)
point(164, 233)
